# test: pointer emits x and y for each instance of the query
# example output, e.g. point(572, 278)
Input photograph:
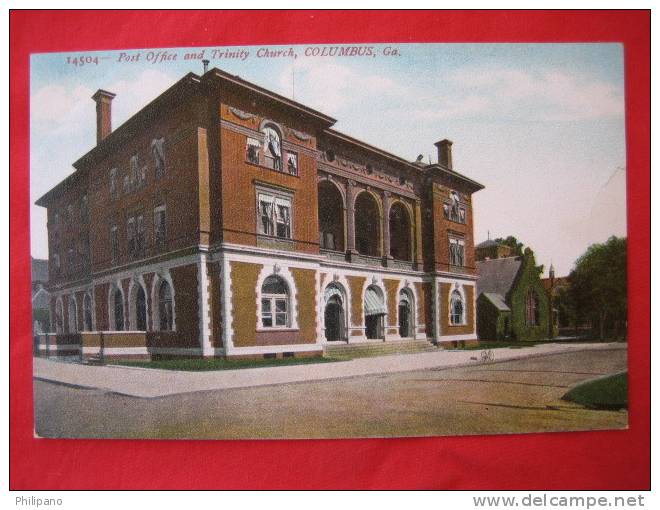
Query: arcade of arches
point(371, 236)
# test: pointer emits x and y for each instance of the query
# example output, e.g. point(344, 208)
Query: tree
point(598, 287)
point(513, 243)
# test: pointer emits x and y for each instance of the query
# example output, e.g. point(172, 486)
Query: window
point(139, 238)
point(453, 210)
point(274, 303)
point(292, 163)
point(456, 309)
point(158, 153)
point(127, 185)
point(56, 262)
point(69, 212)
point(456, 251)
point(532, 308)
point(73, 313)
point(135, 171)
point(274, 213)
point(131, 236)
point(59, 317)
point(70, 259)
point(114, 243)
point(252, 149)
point(118, 303)
point(87, 313)
point(273, 148)
point(165, 306)
point(113, 183)
point(84, 208)
point(159, 226)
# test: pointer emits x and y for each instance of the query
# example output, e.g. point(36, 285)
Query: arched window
point(274, 303)
point(73, 315)
point(400, 236)
point(165, 306)
point(87, 313)
point(406, 328)
point(532, 308)
point(331, 217)
point(457, 309)
point(367, 225)
point(59, 317)
point(118, 306)
point(138, 308)
point(272, 147)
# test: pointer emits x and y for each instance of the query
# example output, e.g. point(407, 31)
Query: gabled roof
point(498, 301)
point(496, 276)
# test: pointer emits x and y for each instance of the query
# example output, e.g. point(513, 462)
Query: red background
point(585, 460)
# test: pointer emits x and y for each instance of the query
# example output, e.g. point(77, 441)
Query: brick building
point(223, 219)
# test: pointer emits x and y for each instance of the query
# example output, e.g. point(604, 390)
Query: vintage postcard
point(328, 241)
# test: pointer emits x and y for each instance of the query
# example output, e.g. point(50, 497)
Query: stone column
point(419, 258)
point(350, 216)
point(387, 199)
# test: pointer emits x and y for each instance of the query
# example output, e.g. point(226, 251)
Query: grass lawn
point(519, 344)
point(199, 364)
point(609, 392)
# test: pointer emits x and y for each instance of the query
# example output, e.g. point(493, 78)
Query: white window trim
point(460, 242)
point(292, 312)
point(274, 195)
point(461, 293)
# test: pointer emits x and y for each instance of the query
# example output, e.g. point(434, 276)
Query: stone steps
point(366, 349)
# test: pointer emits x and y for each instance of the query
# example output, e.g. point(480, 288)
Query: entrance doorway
point(406, 325)
point(374, 313)
point(334, 320)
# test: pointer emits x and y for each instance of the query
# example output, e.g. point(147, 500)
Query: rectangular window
point(113, 183)
point(283, 218)
point(158, 153)
point(114, 243)
point(159, 227)
point(266, 214)
point(292, 163)
point(135, 171)
point(84, 208)
point(71, 261)
point(131, 236)
point(274, 213)
point(456, 252)
point(127, 185)
point(252, 150)
point(139, 239)
point(56, 262)
point(280, 312)
point(266, 313)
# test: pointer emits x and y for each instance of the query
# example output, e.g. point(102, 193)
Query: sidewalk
point(151, 383)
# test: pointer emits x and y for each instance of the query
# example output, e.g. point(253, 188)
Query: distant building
point(40, 297)
point(512, 302)
point(492, 250)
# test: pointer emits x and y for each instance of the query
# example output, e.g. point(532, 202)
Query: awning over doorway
point(373, 303)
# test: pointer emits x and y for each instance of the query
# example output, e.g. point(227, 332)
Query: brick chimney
point(103, 100)
point(444, 153)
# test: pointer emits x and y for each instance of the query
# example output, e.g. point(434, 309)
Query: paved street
point(506, 397)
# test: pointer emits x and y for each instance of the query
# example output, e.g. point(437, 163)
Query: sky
point(541, 126)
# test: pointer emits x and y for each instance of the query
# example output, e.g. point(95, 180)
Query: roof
point(498, 301)
point(497, 276)
point(487, 244)
point(39, 270)
point(192, 83)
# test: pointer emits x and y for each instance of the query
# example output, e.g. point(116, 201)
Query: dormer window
point(272, 148)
